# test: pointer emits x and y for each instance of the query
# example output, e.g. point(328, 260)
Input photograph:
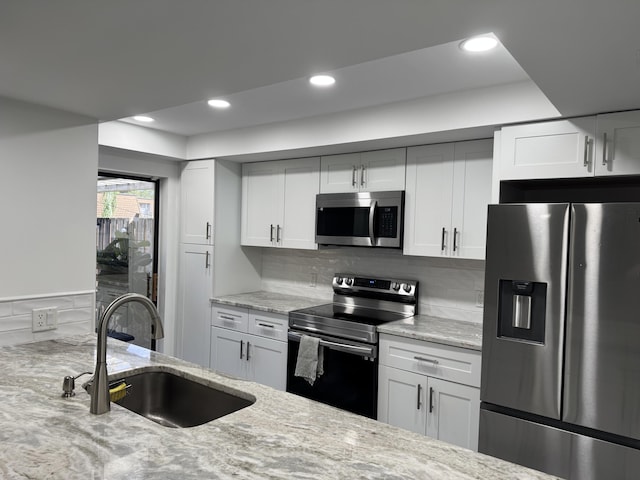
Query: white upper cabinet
point(447, 193)
point(278, 203)
point(599, 145)
point(618, 144)
point(380, 170)
point(558, 149)
point(196, 186)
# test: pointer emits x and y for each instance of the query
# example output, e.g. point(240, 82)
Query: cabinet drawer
point(270, 325)
point(440, 361)
point(235, 318)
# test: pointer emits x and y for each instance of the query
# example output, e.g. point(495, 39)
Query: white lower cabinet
point(194, 306)
point(250, 345)
point(414, 392)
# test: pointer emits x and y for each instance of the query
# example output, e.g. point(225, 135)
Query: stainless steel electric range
point(348, 336)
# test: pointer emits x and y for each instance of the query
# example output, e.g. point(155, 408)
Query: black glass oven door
point(349, 382)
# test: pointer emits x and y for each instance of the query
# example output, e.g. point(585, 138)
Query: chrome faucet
point(100, 401)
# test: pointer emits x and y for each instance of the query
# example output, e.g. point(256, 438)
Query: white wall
point(167, 170)
point(457, 111)
point(448, 287)
point(48, 165)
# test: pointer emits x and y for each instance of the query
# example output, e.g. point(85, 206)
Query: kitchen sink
point(173, 400)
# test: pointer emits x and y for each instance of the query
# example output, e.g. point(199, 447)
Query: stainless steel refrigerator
point(560, 385)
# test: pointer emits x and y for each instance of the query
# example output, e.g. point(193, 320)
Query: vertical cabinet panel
point(195, 311)
point(455, 413)
point(300, 184)
point(428, 200)
point(471, 196)
point(267, 360)
point(196, 187)
point(618, 144)
point(225, 352)
point(400, 399)
point(261, 200)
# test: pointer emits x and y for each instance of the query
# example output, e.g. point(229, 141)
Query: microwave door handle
point(372, 216)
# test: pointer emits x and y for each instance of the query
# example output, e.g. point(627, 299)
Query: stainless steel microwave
point(365, 219)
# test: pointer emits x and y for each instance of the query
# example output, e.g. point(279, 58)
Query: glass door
point(126, 252)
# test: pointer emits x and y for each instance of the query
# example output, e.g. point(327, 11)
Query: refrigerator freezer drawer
point(555, 451)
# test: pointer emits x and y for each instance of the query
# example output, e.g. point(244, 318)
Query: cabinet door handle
point(586, 150)
point(604, 148)
point(430, 399)
point(353, 177)
point(278, 230)
point(207, 264)
point(248, 346)
point(266, 325)
point(271, 233)
point(455, 235)
point(419, 404)
point(442, 240)
point(429, 360)
point(362, 170)
point(208, 232)
point(241, 346)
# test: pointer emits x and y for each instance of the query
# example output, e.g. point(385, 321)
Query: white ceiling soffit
point(421, 73)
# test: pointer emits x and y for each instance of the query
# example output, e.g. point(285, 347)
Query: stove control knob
point(338, 280)
point(406, 287)
point(395, 286)
point(349, 281)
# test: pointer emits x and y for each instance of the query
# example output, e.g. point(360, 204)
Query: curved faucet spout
point(100, 402)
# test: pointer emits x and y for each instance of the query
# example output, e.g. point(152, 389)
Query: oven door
point(350, 379)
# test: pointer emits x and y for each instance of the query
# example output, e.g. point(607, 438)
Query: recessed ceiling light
point(322, 80)
point(143, 118)
point(479, 44)
point(217, 103)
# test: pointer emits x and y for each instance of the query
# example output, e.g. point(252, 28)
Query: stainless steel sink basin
point(175, 401)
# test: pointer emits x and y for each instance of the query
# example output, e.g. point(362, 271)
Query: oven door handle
point(372, 216)
point(343, 347)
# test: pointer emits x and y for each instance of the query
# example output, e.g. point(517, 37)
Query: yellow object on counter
point(118, 392)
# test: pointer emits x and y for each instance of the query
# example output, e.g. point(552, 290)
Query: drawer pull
point(267, 325)
point(227, 317)
point(429, 360)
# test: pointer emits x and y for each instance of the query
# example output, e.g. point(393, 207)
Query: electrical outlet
point(43, 319)
point(314, 280)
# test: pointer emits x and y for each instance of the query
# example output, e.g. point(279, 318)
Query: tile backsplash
point(75, 315)
point(449, 288)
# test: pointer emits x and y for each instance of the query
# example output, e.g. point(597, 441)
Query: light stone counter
point(269, 301)
point(281, 436)
point(456, 333)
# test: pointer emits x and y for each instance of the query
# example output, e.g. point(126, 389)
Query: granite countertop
point(281, 436)
point(269, 301)
point(445, 331)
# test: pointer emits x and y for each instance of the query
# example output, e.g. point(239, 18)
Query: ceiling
point(111, 60)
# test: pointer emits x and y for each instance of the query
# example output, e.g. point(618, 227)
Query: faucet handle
point(69, 384)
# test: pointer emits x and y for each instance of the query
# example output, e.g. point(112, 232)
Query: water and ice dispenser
point(521, 313)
